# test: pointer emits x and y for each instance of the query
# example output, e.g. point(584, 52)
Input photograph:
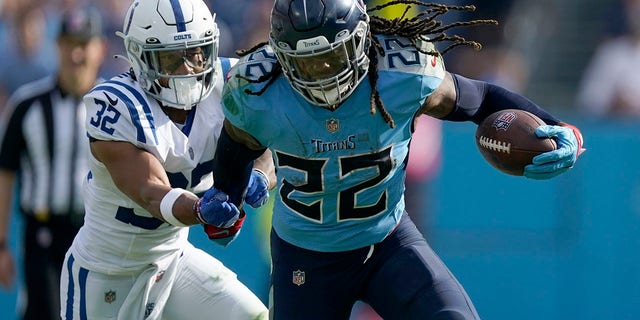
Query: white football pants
point(192, 286)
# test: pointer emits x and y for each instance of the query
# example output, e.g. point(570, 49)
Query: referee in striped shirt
point(43, 150)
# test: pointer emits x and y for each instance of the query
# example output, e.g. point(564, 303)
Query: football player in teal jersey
point(311, 95)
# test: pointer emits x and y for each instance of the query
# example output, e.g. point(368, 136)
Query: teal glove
point(552, 163)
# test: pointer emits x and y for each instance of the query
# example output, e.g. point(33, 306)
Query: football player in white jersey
point(340, 229)
point(153, 133)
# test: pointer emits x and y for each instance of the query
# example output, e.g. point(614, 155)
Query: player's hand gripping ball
point(508, 142)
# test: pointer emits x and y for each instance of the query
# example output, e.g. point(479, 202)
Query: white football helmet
point(163, 36)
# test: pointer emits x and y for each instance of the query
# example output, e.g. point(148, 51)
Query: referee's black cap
point(82, 22)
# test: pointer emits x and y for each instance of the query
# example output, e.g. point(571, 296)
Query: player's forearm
point(167, 203)
point(232, 166)
point(163, 201)
point(147, 185)
point(264, 163)
point(475, 100)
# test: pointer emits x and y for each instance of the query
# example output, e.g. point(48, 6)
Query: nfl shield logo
point(333, 125)
point(110, 296)
point(298, 277)
point(504, 121)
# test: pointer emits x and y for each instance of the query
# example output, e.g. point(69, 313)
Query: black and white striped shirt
point(43, 140)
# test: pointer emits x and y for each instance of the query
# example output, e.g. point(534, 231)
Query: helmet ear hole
point(156, 27)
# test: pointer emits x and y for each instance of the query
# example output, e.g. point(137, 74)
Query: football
point(507, 140)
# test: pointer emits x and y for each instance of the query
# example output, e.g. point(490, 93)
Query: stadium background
point(559, 249)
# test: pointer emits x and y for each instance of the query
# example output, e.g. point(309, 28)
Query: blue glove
point(257, 191)
point(553, 163)
point(214, 208)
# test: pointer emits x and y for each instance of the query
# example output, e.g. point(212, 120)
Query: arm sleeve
point(232, 166)
point(476, 100)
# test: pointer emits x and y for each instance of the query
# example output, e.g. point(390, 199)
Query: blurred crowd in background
point(570, 54)
point(28, 29)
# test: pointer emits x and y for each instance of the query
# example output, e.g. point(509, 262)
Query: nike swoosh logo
point(111, 101)
point(433, 61)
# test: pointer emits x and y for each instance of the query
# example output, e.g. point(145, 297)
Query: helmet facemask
point(325, 73)
point(181, 91)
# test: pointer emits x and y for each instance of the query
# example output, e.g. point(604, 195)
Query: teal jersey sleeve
point(340, 173)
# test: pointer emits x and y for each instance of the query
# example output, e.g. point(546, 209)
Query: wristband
point(3, 244)
point(166, 206)
point(196, 211)
point(265, 177)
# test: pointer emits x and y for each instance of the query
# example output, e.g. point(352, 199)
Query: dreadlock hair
point(422, 27)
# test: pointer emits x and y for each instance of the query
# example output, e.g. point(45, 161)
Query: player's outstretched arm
point(150, 188)
point(147, 184)
point(462, 99)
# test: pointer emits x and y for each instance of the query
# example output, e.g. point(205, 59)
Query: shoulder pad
point(255, 64)
point(400, 55)
point(118, 110)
